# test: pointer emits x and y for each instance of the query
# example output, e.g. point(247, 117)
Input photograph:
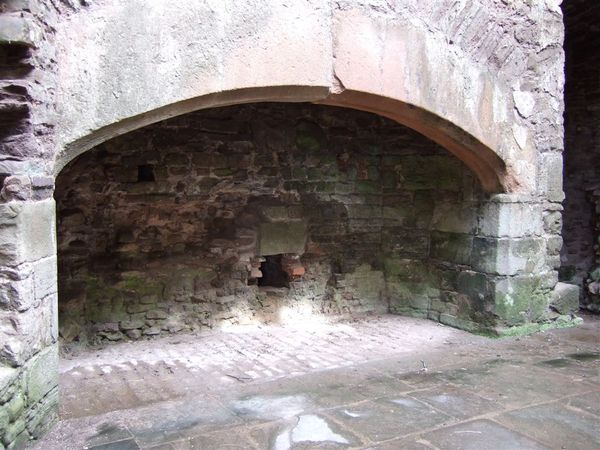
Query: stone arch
point(486, 164)
point(389, 64)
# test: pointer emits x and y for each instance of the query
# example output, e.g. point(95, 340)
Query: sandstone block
point(157, 314)
point(508, 256)
point(42, 375)
point(565, 298)
point(510, 219)
point(27, 231)
point(284, 237)
point(17, 30)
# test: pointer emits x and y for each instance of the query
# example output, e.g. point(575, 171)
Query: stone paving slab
point(388, 418)
point(556, 425)
point(468, 393)
point(481, 435)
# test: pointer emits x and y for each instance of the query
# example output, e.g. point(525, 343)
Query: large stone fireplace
point(235, 162)
point(267, 212)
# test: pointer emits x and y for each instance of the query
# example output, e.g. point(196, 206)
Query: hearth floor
point(382, 382)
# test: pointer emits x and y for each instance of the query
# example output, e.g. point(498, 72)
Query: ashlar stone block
point(520, 299)
point(27, 231)
point(509, 256)
point(283, 237)
point(510, 219)
point(42, 375)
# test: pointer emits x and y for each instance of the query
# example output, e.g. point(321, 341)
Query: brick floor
point(359, 384)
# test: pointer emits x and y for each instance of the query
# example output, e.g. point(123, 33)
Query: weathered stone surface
point(43, 415)
point(17, 30)
point(510, 217)
point(27, 231)
point(349, 54)
point(279, 238)
point(334, 47)
point(27, 332)
point(42, 375)
point(565, 298)
point(452, 247)
point(520, 299)
point(509, 256)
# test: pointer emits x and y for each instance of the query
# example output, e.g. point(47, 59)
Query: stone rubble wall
point(355, 196)
point(380, 219)
point(28, 293)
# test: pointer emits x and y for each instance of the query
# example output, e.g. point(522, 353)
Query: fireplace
point(261, 213)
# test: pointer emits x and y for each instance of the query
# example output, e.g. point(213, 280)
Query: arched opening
point(171, 227)
point(484, 161)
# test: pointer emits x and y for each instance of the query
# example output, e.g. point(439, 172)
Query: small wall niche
point(273, 273)
point(145, 173)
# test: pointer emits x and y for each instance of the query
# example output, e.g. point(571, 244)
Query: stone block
point(408, 298)
point(43, 415)
point(27, 231)
point(42, 374)
point(45, 277)
point(554, 245)
point(25, 333)
point(550, 173)
point(510, 219)
point(15, 29)
point(157, 314)
point(553, 222)
point(454, 218)
point(451, 247)
point(16, 406)
point(16, 289)
point(127, 325)
point(506, 256)
point(475, 288)
point(565, 298)
point(520, 299)
point(16, 187)
point(134, 334)
point(152, 331)
point(9, 381)
point(284, 237)
point(13, 431)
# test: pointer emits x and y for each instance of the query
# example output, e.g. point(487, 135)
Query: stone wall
point(165, 229)
point(67, 85)
point(28, 301)
point(581, 252)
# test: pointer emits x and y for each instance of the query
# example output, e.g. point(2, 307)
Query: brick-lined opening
point(581, 228)
point(171, 227)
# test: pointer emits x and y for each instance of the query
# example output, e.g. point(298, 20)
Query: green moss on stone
point(140, 284)
point(530, 328)
point(520, 299)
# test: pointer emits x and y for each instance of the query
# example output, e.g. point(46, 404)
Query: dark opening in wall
point(3, 176)
point(273, 273)
point(146, 172)
point(580, 254)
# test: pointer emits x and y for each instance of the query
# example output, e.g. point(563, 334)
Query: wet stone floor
point(378, 383)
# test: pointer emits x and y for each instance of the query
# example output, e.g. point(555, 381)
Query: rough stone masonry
point(355, 217)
